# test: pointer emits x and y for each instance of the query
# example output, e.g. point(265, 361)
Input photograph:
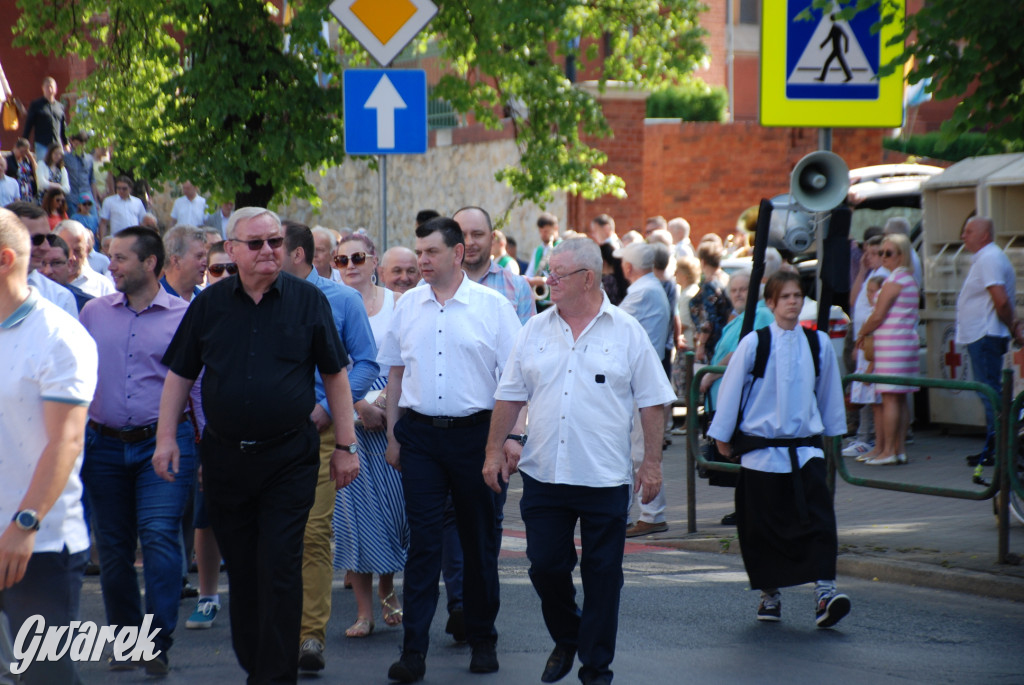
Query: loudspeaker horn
point(820, 181)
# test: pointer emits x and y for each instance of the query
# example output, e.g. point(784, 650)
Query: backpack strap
point(764, 348)
point(815, 343)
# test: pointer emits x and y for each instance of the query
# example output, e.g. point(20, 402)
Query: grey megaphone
point(791, 228)
point(820, 181)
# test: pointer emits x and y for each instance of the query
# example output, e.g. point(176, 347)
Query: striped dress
point(896, 342)
point(371, 533)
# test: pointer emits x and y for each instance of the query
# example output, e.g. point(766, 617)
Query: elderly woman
point(371, 534)
point(894, 326)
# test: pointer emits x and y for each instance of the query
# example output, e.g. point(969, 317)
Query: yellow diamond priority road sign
point(384, 27)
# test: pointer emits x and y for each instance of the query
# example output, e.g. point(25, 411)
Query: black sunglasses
point(87, 203)
point(359, 258)
point(38, 239)
point(219, 269)
point(257, 245)
point(889, 253)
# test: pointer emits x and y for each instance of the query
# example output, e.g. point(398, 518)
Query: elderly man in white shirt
point(582, 365)
point(121, 210)
point(985, 318)
point(190, 208)
point(80, 271)
point(447, 343)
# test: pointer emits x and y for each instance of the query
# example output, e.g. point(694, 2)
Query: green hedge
point(932, 145)
point(689, 102)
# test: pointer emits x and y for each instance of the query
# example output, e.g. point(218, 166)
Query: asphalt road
point(686, 617)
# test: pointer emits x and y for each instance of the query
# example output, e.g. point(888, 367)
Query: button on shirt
point(787, 403)
point(47, 357)
point(122, 213)
point(452, 353)
point(975, 311)
point(581, 394)
point(131, 345)
point(258, 358)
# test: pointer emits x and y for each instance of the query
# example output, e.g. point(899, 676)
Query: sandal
point(361, 628)
point(391, 609)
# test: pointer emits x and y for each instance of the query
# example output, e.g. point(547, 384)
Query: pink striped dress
point(896, 342)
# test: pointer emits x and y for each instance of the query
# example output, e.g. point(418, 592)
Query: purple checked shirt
point(130, 345)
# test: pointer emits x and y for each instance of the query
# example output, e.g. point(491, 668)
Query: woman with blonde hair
point(893, 323)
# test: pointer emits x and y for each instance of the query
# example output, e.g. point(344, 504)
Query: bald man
point(398, 269)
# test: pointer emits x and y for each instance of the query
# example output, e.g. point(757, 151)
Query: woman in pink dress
point(894, 325)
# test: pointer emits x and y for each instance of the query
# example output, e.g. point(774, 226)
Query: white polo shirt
point(47, 357)
point(122, 213)
point(975, 311)
point(581, 394)
point(452, 353)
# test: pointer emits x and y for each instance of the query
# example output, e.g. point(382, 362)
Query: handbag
point(11, 121)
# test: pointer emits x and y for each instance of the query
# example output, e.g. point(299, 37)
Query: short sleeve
point(105, 209)
point(512, 386)
point(184, 354)
point(69, 372)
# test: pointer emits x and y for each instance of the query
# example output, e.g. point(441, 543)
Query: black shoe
point(410, 668)
point(559, 663)
point(158, 666)
point(188, 591)
point(484, 659)
point(975, 459)
point(91, 569)
point(456, 626)
point(729, 519)
point(311, 656)
point(596, 679)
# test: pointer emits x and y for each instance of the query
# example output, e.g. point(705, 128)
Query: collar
point(161, 301)
point(313, 277)
point(644, 280)
point(461, 294)
point(492, 268)
point(275, 287)
point(23, 310)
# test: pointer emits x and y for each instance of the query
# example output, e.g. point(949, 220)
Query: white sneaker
point(857, 448)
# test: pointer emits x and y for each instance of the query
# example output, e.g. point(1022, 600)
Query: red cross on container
point(953, 359)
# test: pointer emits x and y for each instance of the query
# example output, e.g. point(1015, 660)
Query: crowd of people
point(292, 403)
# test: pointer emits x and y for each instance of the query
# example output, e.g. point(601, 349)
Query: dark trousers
point(51, 588)
point(258, 504)
point(550, 512)
point(436, 461)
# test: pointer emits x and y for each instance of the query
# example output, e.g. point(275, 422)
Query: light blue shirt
point(647, 302)
point(354, 329)
point(731, 338)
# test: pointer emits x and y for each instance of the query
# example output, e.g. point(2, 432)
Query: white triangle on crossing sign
point(833, 42)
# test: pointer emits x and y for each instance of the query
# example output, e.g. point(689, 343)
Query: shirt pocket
point(605, 364)
point(293, 342)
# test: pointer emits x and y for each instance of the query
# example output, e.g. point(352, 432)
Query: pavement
point(896, 537)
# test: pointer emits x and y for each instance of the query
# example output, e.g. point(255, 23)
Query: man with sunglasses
point(446, 346)
point(259, 336)
point(34, 219)
point(121, 209)
point(582, 365)
point(353, 326)
point(218, 264)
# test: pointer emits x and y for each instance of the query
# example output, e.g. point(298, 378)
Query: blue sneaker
point(204, 615)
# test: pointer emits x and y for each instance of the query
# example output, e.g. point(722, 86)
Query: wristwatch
point(521, 439)
point(351, 449)
point(26, 519)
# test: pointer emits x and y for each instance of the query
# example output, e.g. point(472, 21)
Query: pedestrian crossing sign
point(824, 71)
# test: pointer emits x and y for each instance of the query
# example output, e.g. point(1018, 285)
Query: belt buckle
point(442, 422)
point(125, 434)
point(246, 445)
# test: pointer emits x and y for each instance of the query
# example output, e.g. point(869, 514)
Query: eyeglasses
point(38, 239)
point(555, 278)
point(257, 244)
point(219, 269)
point(358, 258)
point(889, 253)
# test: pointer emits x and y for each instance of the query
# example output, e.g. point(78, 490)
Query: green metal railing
point(1006, 478)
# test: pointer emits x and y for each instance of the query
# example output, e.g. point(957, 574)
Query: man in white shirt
point(784, 512)
point(34, 219)
point(582, 365)
point(446, 346)
point(985, 319)
point(47, 381)
point(190, 208)
point(10, 191)
point(680, 230)
point(122, 209)
point(79, 240)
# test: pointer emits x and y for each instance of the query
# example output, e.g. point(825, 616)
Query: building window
point(750, 12)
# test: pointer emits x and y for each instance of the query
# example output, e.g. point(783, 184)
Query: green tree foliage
point(971, 51)
point(693, 100)
point(206, 90)
point(935, 146)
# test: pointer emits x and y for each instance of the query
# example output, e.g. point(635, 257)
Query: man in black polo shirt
point(259, 335)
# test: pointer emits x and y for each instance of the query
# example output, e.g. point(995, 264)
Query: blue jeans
point(51, 588)
point(987, 365)
point(131, 502)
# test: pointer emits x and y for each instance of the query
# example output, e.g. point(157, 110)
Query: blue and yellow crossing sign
point(824, 72)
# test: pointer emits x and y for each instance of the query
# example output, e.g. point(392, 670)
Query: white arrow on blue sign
point(385, 111)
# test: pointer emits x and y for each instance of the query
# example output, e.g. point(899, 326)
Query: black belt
point(450, 421)
point(129, 434)
point(749, 443)
point(253, 446)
